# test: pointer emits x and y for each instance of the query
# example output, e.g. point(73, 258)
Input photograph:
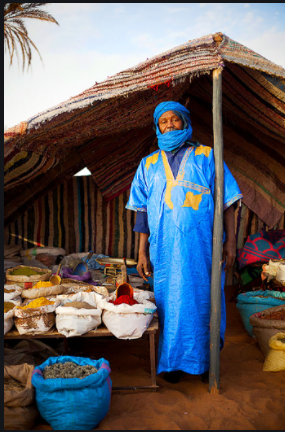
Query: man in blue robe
point(173, 195)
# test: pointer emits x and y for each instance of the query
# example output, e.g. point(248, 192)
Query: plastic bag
point(27, 262)
point(71, 321)
point(75, 322)
point(29, 351)
point(256, 301)
point(73, 403)
point(128, 322)
point(9, 316)
point(8, 322)
point(33, 252)
point(14, 291)
point(29, 312)
point(35, 320)
point(275, 360)
point(33, 293)
point(19, 409)
point(46, 258)
point(69, 288)
point(86, 277)
point(35, 325)
point(88, 297)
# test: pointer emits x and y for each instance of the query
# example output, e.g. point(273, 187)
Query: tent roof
point(108, 128)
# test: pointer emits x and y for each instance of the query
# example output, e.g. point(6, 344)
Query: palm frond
point(15, 31)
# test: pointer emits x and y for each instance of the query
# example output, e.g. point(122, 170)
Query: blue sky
point(96, 40)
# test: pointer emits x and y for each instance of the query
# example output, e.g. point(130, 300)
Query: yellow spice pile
point(42, 284)
point(41, 301)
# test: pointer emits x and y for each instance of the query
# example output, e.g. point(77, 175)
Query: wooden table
point(101, 331)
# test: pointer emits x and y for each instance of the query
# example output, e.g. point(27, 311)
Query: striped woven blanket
point(261, 247)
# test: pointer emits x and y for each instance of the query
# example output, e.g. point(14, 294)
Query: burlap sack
point(23, 374)
point(20, 418)
point(20, 412)
point(264, 329)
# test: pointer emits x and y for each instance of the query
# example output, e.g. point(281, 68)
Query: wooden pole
point(214, 376)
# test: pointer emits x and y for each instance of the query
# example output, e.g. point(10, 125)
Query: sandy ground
point(249, 398)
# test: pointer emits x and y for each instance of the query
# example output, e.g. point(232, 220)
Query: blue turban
point(171, 140)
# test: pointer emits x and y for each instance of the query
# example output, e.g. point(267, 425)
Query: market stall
point(75, 308)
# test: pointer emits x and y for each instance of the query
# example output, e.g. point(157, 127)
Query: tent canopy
point(108, 127)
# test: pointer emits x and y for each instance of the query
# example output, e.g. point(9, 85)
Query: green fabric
point(249, 274)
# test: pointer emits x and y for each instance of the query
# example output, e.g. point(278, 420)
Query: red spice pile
point(275, 316)
point(124, 299)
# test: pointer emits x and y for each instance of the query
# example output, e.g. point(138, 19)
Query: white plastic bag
point(88, 297)
point(29, 312)
point(38, 320)
point(125, 321)
point(8, 321)
point(71, 321)
point(33, 252)
point(33, 293)
point(8, 324)
point(9, 317)
point(140, 295)
point(15, 292)
point(75, 322)
point(34, 325)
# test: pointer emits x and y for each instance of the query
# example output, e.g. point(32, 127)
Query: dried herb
point(68, 370)
point(79, 305)
point(25, 271)
point(12, 384)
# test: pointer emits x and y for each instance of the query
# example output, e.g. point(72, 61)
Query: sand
point(249, 398)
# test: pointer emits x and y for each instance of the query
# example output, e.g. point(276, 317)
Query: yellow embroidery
point(181, 172)
point(151, 160)
point(169, 185)
point(192, 200)
point(170, 182)
point(203, 150)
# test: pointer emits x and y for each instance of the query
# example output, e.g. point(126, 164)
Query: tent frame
point(214, 375)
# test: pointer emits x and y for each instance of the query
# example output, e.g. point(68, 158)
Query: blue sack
point(256, 301)
point(73, 403)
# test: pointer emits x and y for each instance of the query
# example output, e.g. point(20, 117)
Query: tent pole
point(214, 375)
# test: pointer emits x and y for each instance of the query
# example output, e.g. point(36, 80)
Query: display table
point(102, 331)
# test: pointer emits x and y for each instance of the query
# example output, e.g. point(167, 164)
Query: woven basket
point(32, 279)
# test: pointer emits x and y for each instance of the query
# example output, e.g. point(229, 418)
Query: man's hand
point(229, 254)
point(143, 266)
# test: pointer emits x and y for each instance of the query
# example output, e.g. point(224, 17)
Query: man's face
point(169, 122)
